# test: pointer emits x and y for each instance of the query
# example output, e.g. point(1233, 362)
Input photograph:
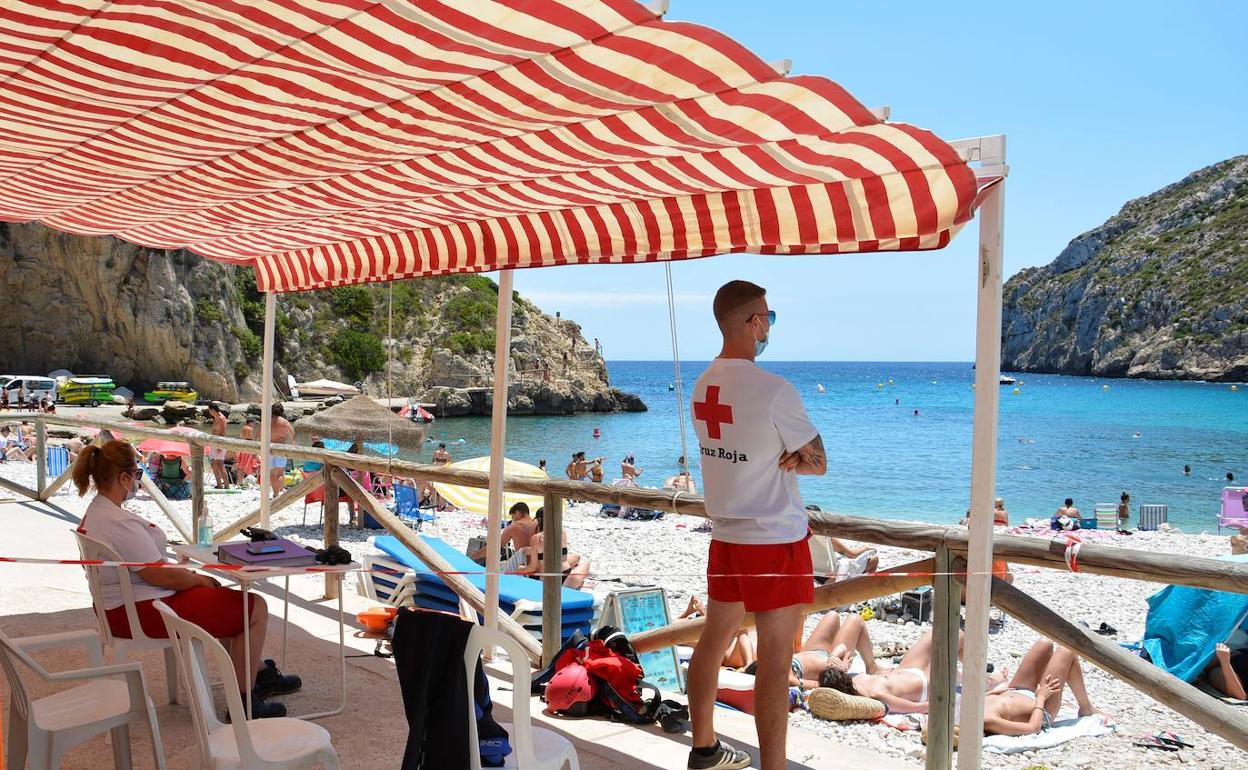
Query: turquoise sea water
point(1060, 436)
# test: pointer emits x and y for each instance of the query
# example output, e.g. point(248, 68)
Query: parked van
point(34, 388)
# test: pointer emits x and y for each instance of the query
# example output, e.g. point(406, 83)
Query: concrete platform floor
point(371, 732)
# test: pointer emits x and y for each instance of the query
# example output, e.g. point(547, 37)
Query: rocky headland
point(105, 306)
point(1159, 291)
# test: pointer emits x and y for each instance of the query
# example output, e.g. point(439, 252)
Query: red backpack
point(614, 680)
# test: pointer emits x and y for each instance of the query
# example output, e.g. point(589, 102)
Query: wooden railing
point(949, 545)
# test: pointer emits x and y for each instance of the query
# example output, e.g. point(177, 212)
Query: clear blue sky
point(1101, 102)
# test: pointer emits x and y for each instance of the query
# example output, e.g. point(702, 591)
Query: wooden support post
point(827, 596)
point(20, 489)
point(197, 490)
point(54, 486)
point(288, 497)
point(165, 507)
point(945, 616)
point(1210, 713)
point(41, 457)
point(332, 584)
point(456, 582)
point(552, 581)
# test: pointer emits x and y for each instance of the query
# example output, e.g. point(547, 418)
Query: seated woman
point(1229, 671)
point(575, 567)
point(114, 472)
point(1031, 700)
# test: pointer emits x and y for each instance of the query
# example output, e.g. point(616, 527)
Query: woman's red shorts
point(764, 577)
point(219, 611)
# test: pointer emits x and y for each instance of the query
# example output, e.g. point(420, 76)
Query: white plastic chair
point(110, 698)
point(533, 748)
point(93, 550)
point(259, 744)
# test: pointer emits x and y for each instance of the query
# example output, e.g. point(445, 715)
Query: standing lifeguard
point(755, 437)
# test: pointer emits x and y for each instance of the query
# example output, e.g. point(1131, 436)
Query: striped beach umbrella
point(327, 142)
point(476, 500)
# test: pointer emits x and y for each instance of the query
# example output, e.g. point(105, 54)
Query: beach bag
point(611, 685)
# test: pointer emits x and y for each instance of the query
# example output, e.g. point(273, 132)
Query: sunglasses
point(771, 317)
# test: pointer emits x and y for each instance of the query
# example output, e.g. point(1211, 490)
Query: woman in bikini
point(831, 646)
point(903, 689)
point(1031, 700)
point(575, 567)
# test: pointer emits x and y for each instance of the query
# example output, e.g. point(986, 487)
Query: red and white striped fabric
point(338, 141)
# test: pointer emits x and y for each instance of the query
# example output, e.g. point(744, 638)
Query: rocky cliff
point(1158, 291)
point(101, 305)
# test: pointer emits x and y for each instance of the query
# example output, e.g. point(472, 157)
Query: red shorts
point(764, 577)
point(219, 611)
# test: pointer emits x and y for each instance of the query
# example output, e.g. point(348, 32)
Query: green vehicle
point(91, 391)
point(171, 391)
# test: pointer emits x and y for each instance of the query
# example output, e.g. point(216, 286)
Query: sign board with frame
point(642, 609)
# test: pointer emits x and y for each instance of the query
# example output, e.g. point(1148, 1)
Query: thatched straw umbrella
point(362, 419)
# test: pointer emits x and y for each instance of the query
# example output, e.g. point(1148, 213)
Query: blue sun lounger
point(520, 597)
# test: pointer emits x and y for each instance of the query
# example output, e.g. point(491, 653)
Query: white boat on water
point(1007, 380)
point(323, 389)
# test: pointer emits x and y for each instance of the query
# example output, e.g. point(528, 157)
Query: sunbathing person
point(830, 647)
point(518, 534)
point(743, 650)
point(1031, 700)
point(1229, 672)
point(575, 568)
point(903, 689)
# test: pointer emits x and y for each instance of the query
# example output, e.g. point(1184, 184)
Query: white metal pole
point(983, 473)
point(266, 405)
point(498, 447)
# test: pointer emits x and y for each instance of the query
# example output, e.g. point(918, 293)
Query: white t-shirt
point(134, 539)
point(745, 419)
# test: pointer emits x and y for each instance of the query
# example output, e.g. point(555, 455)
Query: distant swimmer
point(819, 387)
point(1136, 435)
point(916, 412)
point(1187, 470)
point(897, 401)
point(1230, 477)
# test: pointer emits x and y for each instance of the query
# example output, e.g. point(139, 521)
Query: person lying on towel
point(1030, 701)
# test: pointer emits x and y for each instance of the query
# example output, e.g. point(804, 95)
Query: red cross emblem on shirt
point(712, 412)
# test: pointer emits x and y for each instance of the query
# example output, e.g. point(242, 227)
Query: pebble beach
point(671, 552)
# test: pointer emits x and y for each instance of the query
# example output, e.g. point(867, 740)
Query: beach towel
point(1185, 624)
point(1068, 726)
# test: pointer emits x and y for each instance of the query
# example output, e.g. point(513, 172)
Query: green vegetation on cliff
point(1160, 290)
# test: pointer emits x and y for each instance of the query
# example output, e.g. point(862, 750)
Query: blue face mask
point(761, 345)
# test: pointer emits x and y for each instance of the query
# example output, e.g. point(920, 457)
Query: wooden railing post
point(945, 616)
point(332, 584)
point(41, 456)
point(552, 581)
point(197, 489)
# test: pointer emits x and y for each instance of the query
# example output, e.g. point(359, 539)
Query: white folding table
point(206, 557)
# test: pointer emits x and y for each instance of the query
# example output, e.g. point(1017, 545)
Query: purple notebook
point(291, 555)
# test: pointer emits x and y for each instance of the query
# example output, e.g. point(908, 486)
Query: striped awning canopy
point(328, 142)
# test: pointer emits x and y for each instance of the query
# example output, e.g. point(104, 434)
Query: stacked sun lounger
point(397, 577)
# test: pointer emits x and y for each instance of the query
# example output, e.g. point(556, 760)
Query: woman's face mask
point(130, 480)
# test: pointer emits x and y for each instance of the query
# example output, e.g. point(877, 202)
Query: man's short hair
point(277, 410)
point(733, 296)
point(1069, 502)
point(441, 445)
point(521, 508)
